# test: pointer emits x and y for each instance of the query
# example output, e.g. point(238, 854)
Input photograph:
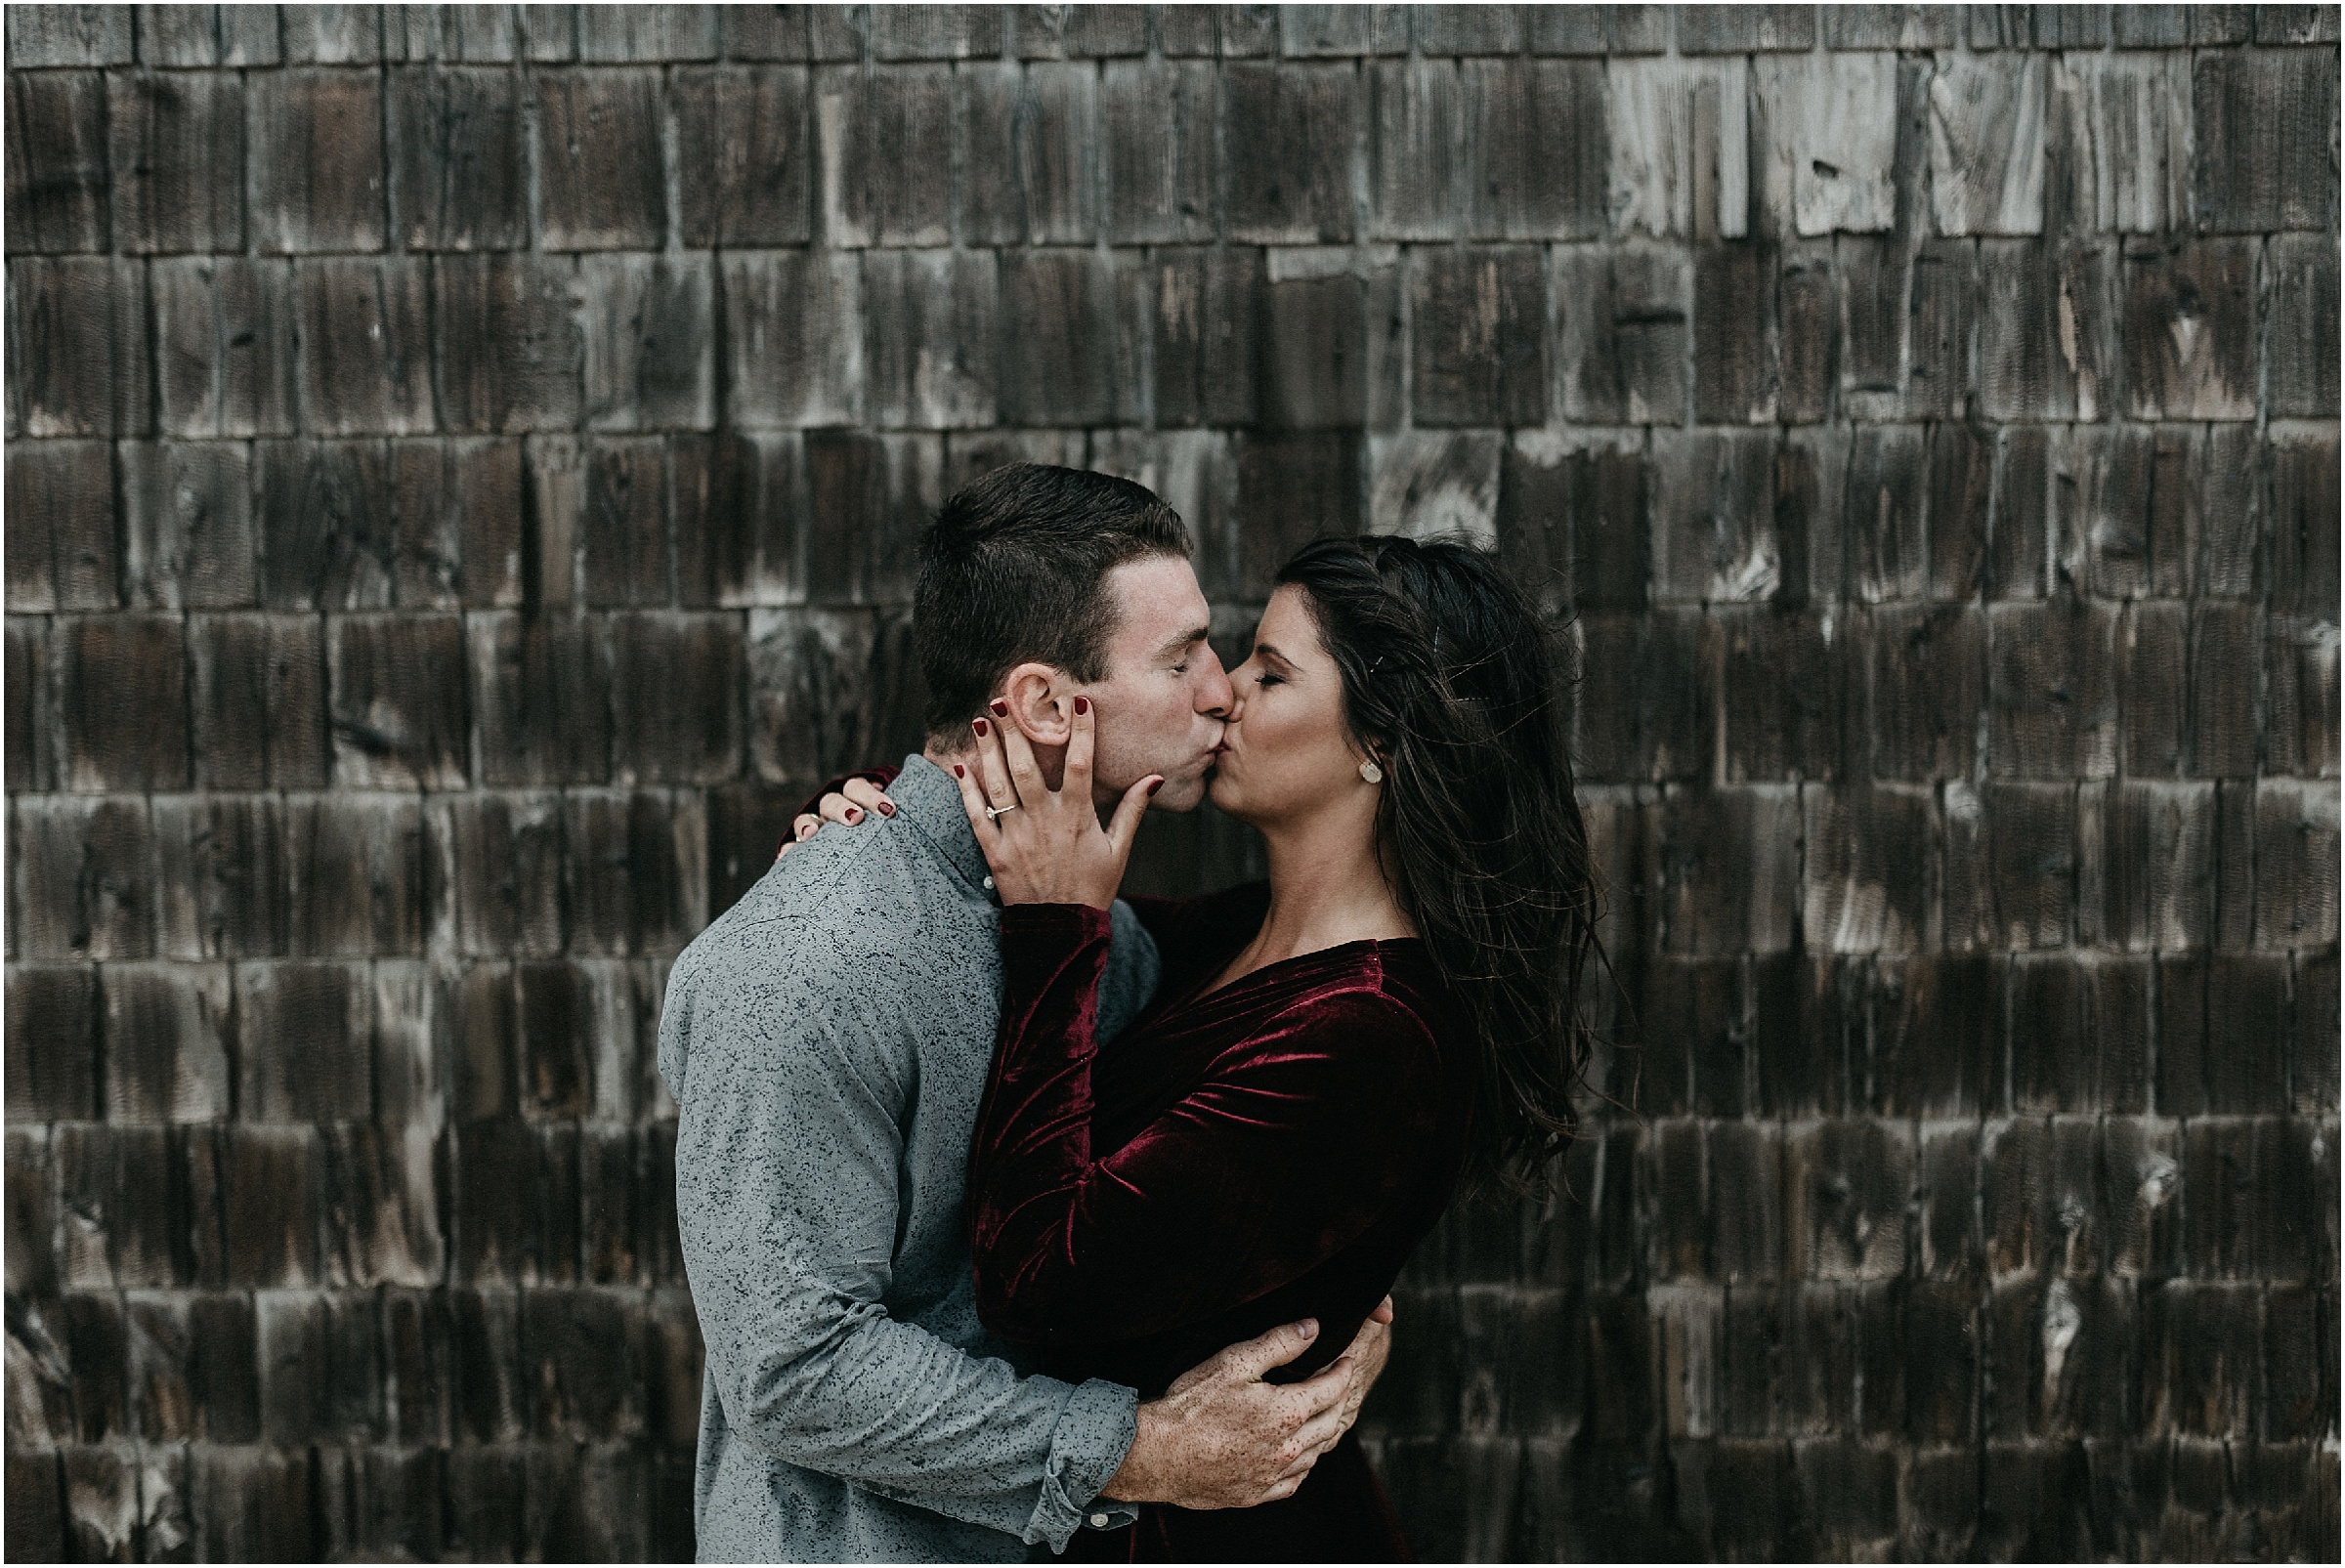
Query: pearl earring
point(1372, 773)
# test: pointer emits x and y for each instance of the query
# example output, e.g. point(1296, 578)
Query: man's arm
point(787, 1154)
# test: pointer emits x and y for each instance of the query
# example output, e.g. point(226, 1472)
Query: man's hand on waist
point(1222, 1438)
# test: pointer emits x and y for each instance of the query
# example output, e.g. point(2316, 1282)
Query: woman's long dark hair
point(1449, 682)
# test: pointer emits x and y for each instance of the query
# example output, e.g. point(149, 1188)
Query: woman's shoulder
point(1366, 992)
point(1397, 988)
point(1349, 1045)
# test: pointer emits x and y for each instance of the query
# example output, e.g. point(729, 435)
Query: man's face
point(1163, 701)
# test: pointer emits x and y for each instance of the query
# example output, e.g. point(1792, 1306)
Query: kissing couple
point(1019, 1215)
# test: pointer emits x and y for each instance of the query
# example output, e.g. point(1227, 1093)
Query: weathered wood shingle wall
point(462, 474)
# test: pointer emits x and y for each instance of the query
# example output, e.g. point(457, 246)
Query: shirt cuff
point(1094, 1432)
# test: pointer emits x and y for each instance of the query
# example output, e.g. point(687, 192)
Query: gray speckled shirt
point(827, 1040)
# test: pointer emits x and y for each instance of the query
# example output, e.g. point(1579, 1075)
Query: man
point(827, 1040)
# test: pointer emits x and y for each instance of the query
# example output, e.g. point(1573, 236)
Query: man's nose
point(1213, 694)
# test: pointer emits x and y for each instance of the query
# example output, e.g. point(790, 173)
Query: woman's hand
point(861, 796)
point(1045, 846)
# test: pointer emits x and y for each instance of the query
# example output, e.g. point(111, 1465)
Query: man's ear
point(1038, 697)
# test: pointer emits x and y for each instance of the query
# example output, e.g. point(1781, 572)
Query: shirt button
point(1098, 1521)
point(989, 881)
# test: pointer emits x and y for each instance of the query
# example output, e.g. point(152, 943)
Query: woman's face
point(1285, 753)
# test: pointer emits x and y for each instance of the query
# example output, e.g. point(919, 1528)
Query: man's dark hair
point(1014, 569)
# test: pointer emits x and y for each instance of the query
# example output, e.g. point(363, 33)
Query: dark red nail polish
point(1156, 785)
point(981, 726)
point(1000, 707)
point(1083, 705)
point(887, 808)
point(959, 772)
point(853, 815)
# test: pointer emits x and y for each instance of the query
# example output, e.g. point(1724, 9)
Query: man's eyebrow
point(1183, 641)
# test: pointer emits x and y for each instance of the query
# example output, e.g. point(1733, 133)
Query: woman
point(1329, 1054)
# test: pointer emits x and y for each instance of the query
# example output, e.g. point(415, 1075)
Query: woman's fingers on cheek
point(1080, 739)
point(994, 773)
point(965, 775)
point(998, 749)
point(1017, 753)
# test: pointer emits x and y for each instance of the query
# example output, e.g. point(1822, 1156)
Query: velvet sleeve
point(1287, 1151)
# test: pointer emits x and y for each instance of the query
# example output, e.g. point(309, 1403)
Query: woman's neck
point(1325, 890)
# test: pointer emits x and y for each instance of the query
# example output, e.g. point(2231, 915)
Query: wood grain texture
point(318, 168)
point(745, 133)
point(58, 162)
point(465, 472)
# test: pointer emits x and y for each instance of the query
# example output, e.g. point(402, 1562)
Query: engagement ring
point(991, 812)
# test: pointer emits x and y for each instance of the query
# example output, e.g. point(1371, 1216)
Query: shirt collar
point(928, 798)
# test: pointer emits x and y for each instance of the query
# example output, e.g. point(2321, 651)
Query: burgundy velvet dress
point(1269, 1151)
